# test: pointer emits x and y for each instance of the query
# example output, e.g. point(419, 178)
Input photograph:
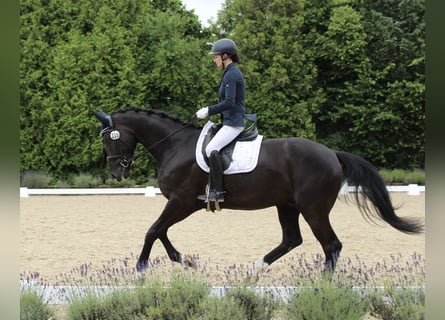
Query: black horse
point(296, 175)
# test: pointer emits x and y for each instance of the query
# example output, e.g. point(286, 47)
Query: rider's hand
point(202, 113)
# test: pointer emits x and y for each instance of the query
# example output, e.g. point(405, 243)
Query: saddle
point(249, 134)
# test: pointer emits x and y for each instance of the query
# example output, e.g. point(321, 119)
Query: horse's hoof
point(141, 266)
point(253, 279)
point(188, 261)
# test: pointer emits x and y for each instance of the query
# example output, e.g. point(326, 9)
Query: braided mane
point(148, 111)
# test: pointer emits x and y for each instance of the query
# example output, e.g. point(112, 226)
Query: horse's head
point(119, 144)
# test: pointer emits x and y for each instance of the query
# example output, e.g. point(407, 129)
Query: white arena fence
point(147, 191)
point(411, 189)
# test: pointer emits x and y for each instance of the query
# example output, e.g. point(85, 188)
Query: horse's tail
point(362, 174)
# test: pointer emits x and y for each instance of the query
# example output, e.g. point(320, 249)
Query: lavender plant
point(327, 300)
point(32, 307)
point(170, 291)
point(398, 303)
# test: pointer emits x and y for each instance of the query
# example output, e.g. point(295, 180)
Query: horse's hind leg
point(318, 220)
point(288, 217)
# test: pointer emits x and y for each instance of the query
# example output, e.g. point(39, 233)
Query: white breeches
point(223, 137)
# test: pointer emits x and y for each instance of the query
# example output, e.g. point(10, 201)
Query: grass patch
point(35, 180)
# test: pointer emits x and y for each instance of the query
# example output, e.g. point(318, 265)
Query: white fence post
point(24, 192)
point(344, 189)
point(413, 190)
point(150, 191)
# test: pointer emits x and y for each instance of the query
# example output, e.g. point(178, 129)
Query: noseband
point(127, 161)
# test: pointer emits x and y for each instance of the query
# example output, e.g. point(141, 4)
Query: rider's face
point(218, 60)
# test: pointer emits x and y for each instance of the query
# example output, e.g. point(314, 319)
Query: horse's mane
point(149, 111)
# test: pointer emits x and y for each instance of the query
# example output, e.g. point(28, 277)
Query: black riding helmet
point(224, 46)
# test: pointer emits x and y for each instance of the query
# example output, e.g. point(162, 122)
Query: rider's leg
point(216, 177)
point(222, 138)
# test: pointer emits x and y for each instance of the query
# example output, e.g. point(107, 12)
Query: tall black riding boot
point(216, 179)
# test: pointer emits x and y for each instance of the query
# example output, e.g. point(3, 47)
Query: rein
point(188, 124)
point(127, 161)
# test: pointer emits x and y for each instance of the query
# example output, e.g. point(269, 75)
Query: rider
point(231, 107)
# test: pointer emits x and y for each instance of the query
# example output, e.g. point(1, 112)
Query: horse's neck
point(162, 136)
point(154, 129)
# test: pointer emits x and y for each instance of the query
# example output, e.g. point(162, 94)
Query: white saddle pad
point(245, 154)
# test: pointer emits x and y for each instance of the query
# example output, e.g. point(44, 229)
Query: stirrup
point(216, 196)
point(213, 196)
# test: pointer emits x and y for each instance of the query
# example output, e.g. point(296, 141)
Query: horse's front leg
point(150, 237)
point(173, 212)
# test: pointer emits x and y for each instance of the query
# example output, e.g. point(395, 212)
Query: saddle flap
point(226, 152)
point(248, 134)
point(239, 156)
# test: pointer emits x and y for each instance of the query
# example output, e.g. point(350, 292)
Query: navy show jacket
point(232, 92)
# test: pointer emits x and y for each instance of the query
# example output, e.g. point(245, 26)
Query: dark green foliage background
point(349, 74)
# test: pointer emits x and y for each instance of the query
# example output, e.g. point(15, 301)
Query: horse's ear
point(104, 118)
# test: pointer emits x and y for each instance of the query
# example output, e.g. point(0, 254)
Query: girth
point(247, 134)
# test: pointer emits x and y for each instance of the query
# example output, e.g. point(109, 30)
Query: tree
point(370, 66)
point(172, 53)
point(80, 56)
point(349, 74)
point(279, 77)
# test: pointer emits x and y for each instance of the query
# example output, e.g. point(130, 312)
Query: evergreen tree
point(349, 74)
point(370, 62)
point(279, 77)
point(80, 56)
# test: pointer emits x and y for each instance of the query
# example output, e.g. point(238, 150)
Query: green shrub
point(386, 175)
point(152, 182)
point(398, 176)
point(254, 306)
point(35, 180)
point(398, 303)
point(32, 307)
point(215, 308)
point(88, 307)
point(62, 184)
point(84, 180)
point(181, 299)
point(401, 176)
point(326, 300)
point(416, 176)
point(123, 183)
